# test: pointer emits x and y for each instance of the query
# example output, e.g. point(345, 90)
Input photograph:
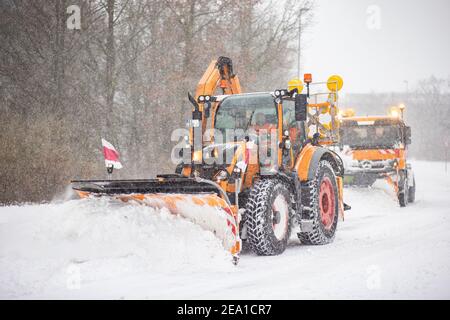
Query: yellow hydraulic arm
point(218, 75)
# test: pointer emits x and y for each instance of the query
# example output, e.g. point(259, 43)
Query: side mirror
point(301, 106)
point(407, 135)
point(192, 100)
point(207, 109)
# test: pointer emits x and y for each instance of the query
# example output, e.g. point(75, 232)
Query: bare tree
point(124, 76)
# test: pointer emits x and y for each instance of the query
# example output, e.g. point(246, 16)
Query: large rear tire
point(320, 199)
point(268, 216)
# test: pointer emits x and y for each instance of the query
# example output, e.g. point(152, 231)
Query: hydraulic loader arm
point(218, 75)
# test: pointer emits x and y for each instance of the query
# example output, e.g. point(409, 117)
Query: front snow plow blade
point(198, 200)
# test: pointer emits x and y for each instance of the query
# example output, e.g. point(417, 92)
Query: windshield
point(370, 136)
point(246, 112)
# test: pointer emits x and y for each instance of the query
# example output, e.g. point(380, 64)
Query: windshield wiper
point(250, 120)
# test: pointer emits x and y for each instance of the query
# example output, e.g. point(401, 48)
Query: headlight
point(197, 157)
point(287, 144)
point(202, 99)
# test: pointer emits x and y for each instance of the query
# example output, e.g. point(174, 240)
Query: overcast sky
point(409, 41)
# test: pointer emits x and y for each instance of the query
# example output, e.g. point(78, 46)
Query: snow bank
point(100, 249)
point(60, 245)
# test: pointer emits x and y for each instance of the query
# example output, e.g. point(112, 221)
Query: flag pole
point(110, 170)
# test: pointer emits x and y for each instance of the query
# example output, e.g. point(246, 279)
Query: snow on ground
point(99, 249)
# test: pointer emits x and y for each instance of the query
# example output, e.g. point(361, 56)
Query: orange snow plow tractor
point(246, 169)
point(375, 147)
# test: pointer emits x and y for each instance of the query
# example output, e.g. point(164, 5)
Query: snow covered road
point(86, 249)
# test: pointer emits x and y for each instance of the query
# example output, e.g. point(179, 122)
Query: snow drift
point(48, 245)
point(102, 249)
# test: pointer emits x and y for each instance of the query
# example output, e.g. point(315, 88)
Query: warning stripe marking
point(387, 151)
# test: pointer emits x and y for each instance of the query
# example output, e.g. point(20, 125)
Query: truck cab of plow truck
point(376, 147)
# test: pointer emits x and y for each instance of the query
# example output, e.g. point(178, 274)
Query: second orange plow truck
point(377, 148)
point(255, 174)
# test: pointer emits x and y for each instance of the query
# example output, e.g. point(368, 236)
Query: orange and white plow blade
point(209, 211)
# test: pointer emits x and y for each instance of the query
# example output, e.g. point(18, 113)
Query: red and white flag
point(111, 155)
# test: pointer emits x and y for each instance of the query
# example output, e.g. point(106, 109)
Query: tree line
point(122, 75)
point(427, 112)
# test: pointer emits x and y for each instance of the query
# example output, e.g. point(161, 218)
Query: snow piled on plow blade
point(60, 245)
point(206, 210)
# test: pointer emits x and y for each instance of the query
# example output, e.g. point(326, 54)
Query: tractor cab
point(262, 119)
point(260, 131)
point(264, 131)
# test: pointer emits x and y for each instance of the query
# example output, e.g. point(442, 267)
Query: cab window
point(289, 123)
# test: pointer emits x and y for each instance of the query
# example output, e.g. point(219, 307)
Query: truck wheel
point(402, 200)
point(403, 190)
point(412, 192)
point(268, 216)
point(320, 199)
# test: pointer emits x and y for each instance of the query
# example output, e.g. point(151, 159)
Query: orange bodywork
point(381, 154)
point(399, 154)
point(319, 105)
point(302, 166)
point(303, 161)
point(367, 118)
point(378, 154)
point(83, 194)
point(212, 79)
point(340, 185)
point(216, 77)
point(372, 154)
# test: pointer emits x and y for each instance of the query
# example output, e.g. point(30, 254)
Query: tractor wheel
point(403, 190)
point(412, 192)
point(268, 216)
point(320, 199)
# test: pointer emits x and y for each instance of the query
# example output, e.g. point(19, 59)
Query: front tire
point(320, 199)
point(268, 216)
